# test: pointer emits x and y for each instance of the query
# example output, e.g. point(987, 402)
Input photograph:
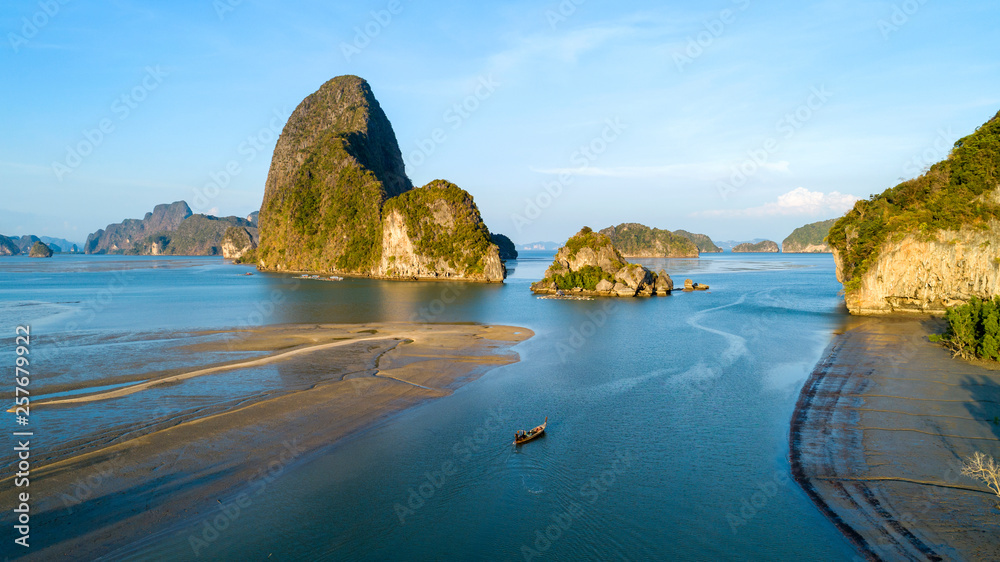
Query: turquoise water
point(668, 417)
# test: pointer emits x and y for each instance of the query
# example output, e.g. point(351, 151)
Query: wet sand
point(878, 436)
point(149, 483)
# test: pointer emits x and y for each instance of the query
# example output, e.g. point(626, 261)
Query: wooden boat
point(525, 436)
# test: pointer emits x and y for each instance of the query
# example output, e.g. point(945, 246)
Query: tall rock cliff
point(337, 200)
point(640, 241)
point(930, 242)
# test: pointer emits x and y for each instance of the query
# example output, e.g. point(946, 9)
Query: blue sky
point(554, 115)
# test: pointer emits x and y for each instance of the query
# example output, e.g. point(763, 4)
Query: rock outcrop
point(928, 275)
point(8, 246)
point(238, 241)
point(766, 246)
point(931, 242)
point(40, 250)
point(702, 241)
point(809, 239)
point(635, 240)
point(337, 200)
point(589, 264)
point(120, 238)
point(168, 230)
point(507, 249)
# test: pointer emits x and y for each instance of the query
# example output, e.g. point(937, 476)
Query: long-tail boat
point(525, 436)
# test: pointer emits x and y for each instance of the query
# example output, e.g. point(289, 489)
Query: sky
point(736, 118)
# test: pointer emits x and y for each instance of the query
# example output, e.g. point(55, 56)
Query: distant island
point(507, 249)
point(337, 200)
point(590, 265)
point(40, 250)
point(549, 245)
point(702, 241)
point(931, 242)
point(22, 245)
point(636, 240)
point(728, 245)
point(809, 239)
point(765, 246)
point(168, 230)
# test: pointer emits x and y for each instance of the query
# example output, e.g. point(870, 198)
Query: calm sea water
point(668, 417)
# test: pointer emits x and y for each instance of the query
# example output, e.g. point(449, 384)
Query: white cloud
point(799, 201)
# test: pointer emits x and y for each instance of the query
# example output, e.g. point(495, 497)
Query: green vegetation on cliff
point(633, 239)
point(40, 250)
point(812, 234)
point(467, 239)
point(587, 278)
point(764, 246)
point(587, 238)
point(336, 177)
point(702, 241)
point(949, 196)
point(974, 329)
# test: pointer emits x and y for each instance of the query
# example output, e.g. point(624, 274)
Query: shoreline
point(877, 436)
point(150, 485)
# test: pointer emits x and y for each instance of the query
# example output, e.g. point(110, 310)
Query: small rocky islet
point(589, 264)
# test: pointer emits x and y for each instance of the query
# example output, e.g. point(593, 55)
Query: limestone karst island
point(505, 281)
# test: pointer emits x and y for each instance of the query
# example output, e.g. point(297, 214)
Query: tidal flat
point(177, 464)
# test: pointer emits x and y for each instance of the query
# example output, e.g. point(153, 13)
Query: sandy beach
point(155, 475)
point(878, 435)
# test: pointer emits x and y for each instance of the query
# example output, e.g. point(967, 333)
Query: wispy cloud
point(799, 201)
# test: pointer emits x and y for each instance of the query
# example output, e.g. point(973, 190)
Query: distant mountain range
point(168, 230)
point(21, 245)
point(728, 245)
point(541, 246)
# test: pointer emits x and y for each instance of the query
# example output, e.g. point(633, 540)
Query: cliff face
point(8, 247)
point(237, 241)
point(640, 241)
point(916, 274)
point(766, 246)
point(436, 232)
point(702, 241)
point(337, 199)
point(809, 239)
point(930, 242)
point(589, 264)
